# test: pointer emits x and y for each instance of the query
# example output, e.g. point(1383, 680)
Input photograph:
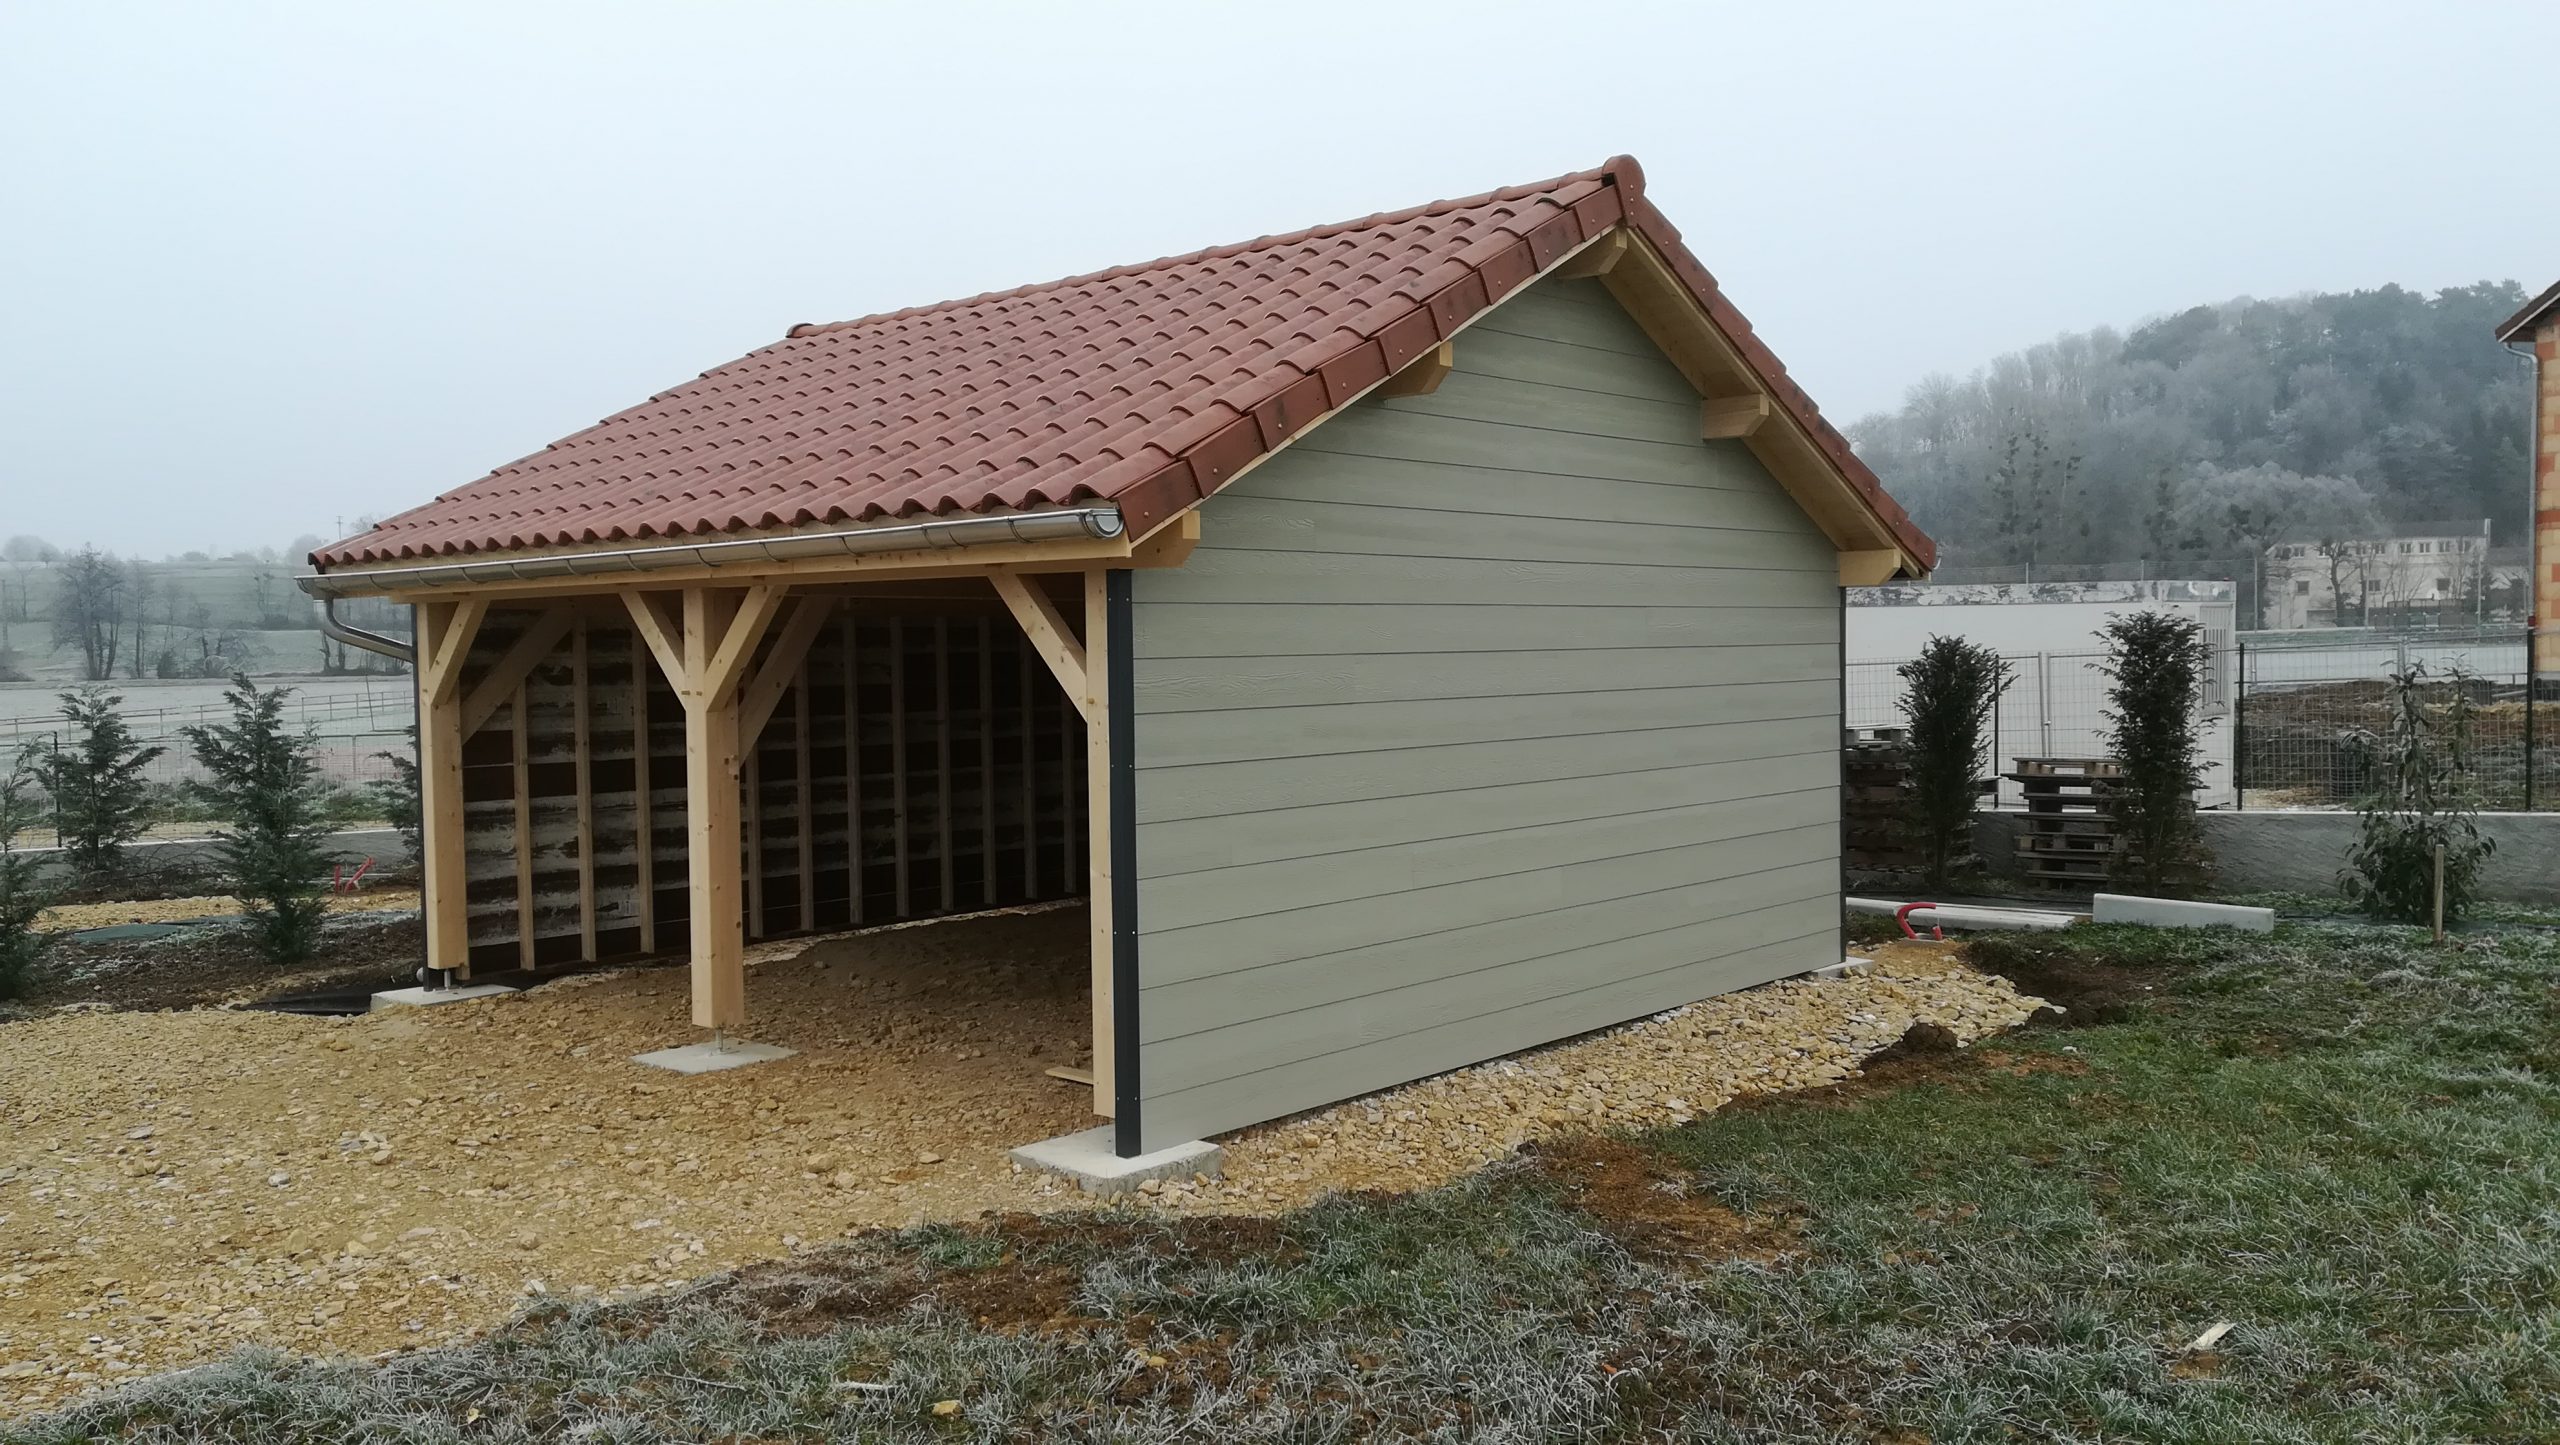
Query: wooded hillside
point(2210, 433)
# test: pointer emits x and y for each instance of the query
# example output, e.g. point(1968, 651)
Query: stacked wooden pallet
point(2068, 840)
point(1874, 762)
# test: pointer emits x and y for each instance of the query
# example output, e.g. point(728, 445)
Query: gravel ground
point(176, 1184)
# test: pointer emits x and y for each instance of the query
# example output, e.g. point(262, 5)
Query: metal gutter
point(353, 636)
point(948, 532)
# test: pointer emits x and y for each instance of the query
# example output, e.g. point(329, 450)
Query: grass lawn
point(2341, 1141)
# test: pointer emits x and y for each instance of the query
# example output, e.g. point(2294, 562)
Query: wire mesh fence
point(352, 732)
point(2282, 721)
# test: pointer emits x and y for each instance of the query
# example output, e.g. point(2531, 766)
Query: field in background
point(356, 718)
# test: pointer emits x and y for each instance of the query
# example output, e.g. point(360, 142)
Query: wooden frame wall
point(953, 782)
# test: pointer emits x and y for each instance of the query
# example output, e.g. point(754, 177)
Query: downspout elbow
point(338, 631)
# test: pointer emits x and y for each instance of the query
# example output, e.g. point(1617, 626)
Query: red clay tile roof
point(1148, 386)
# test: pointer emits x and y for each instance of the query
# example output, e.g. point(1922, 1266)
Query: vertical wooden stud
point(643, 826)
point(852, 764)
point(944, 901)
point(807, 804)
point(986, 720)
point(524, 828)
point(898, 765)
point(1070, 770)
point(1030, 777)
point(581, 725)
point(754, 787)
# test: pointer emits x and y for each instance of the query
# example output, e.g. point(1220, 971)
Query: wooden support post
point(523, 731)
point(582, 726)
point(705, 650)
point(444, 632)
point(1096, 708)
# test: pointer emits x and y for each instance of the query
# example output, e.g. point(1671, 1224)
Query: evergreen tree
point(99, 793)
point(266, 785)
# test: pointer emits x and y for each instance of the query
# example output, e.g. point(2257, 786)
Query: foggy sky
point(270, 267)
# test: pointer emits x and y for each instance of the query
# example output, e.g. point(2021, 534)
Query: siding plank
point(1170, 851)
point(1477, 720)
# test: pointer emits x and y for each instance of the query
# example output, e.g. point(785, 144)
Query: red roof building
point(1411, 640)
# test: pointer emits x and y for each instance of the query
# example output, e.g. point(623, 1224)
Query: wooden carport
point(1519, 442)
point(730, 634)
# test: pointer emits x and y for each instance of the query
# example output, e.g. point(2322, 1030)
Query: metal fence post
point(2240, 728)
point(2528, 716)
point(2044, 704)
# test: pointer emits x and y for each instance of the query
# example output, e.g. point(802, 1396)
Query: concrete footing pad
point(429, 997)
point(710, 1058)
point(1087, 1158)
point(2178, 913)
point(1831, 973)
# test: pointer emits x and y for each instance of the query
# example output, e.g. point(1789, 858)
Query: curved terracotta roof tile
point(1146, 385)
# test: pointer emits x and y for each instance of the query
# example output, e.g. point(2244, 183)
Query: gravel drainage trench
point(179, 1183)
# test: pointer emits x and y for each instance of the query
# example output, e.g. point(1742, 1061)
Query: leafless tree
point(89, 610)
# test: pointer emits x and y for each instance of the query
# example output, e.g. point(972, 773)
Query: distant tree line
point(2214, 433)
point(193, 615)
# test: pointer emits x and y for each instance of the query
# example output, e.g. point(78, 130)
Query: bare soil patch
point(214, 965)
point(1648, 1203)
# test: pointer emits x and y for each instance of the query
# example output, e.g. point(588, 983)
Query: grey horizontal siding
point(1477, 720)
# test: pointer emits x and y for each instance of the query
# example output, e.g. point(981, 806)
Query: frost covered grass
point(2342, 1143)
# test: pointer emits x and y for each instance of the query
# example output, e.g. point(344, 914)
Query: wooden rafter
point(1423, 375)
point(1597, 259)
point(1729, 418)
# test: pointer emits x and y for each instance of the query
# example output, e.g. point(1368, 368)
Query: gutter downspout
point(337, 630)
point(955, 532)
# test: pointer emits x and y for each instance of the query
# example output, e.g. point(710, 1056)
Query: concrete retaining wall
point(382, 845)
point(2301, 852)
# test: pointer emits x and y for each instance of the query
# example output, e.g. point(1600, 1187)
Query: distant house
point(2535, 331)
point(2428, 575)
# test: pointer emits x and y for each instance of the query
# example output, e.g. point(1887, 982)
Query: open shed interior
point(920, 761)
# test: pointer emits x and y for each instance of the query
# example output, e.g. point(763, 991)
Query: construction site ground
point(178, 1183)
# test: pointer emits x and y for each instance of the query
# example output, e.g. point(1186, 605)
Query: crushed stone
point(177, 1184)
